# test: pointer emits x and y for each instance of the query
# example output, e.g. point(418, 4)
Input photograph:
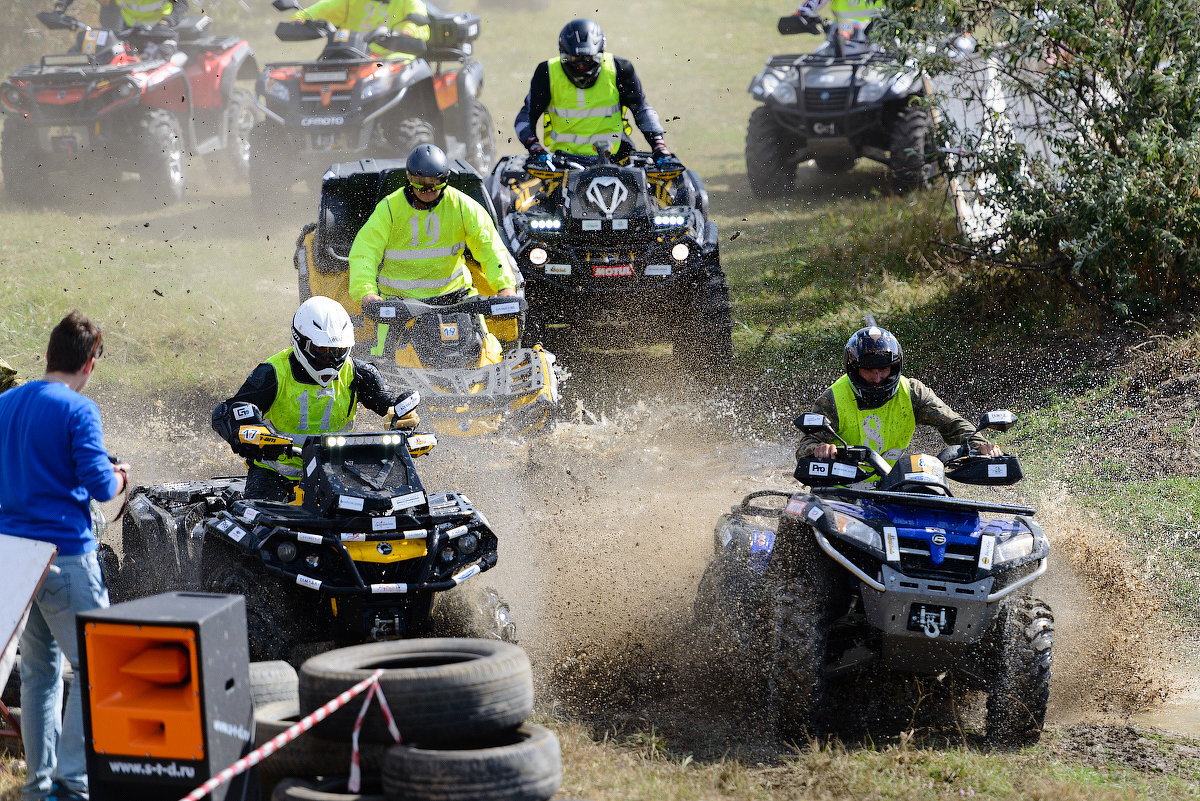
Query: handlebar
point(398, 310)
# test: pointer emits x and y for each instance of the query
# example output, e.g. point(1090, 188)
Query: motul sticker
point(795, 507)
point(407, 501)
point(891, 543)
point(305, 581)
point(389, 588)
point(350, 502)
point(997, 470)
point(613, 271)
point(383, 523)
point(987, 547)
point(314, 539)
point(844, 470)
point(818, 469)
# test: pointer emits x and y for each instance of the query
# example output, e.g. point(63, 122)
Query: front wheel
point(161, 163)
point(910, 138)
point(409, 133)
point(1020, 689)
point(704, 341)
point(770, 158)
point(269, 626)
point(481, 139)
point(477, 612)
point(240, 117)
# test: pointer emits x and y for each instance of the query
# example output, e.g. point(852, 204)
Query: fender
point(470, 79)
point(242, 65)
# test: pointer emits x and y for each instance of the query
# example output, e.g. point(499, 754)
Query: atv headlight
point(856, 530)
point(1012, 549)
point(468, 543)
point(538, 256)
point(447, 554)
point(376, 86)
point(277, 90)
point(763, 85)
point(670, 219)
point(870, 92)
point(784, 94)
point(286, 551)
point(545, 224)
point(680, 252)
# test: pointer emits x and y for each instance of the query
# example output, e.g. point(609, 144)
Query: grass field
point(192, 296)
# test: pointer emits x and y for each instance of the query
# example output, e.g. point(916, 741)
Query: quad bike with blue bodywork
point(362, 552)
point(351, 103)
point(137, 100)
point(851, 579)
point(847, 100)
point(463, 353)
point(623, 252)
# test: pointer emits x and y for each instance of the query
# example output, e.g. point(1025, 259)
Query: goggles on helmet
point(324, 357)
point(581, 65)
point(428, 184)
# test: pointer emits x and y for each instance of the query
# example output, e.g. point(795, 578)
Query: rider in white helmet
point(313, 387)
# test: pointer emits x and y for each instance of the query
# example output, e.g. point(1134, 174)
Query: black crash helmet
point(581, 51)
point(873, 348)
point(427, 161)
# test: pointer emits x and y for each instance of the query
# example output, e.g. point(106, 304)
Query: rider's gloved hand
point(538, 156)
point(662, 156)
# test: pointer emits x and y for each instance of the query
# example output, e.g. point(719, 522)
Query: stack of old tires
point(460, 706)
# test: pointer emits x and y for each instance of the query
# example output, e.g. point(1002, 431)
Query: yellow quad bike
point(462, 353)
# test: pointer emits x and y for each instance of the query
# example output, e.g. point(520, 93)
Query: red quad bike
point(116, 103)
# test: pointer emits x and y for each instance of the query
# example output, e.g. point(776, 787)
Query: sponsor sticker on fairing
point(612, 270)
point(591, 225)
point(306, 581)
point(795, 507)
point(350, 502)
point(891, 543)
point(815, 513)
point(997, 470)
point(987, 548)
point(407, 501)
point(383, 523)
point(818, 469)
point(844, 470)
point(312, 539)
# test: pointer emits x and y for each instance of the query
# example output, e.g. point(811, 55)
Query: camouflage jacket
point(928, 408)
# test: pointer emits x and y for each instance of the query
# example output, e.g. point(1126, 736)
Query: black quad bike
point(350, 103)
point(849, 581)
point(364, 552)
point(118, 103)
point(846, 100)
point(623, 252)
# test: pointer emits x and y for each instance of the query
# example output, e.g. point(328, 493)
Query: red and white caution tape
point(275, 743)
point(354, 782)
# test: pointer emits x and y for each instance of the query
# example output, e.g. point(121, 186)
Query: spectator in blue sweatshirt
point(52, 463)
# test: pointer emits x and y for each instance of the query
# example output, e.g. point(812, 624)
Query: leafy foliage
point(1098, 181)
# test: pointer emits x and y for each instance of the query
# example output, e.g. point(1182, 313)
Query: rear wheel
point(161, 163)
point(20, 160)
point(481, 139)
point(909, 143)
point(770, 159)
point(1020, 690)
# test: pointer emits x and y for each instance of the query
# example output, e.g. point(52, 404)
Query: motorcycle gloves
point(538, 157)
point(663, 158)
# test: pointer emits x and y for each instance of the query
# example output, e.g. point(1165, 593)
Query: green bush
point(1113, 213)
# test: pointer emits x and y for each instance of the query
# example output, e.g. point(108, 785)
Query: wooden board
point(26, 563)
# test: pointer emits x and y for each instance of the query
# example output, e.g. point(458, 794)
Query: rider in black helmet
point(873, 404)
point(584, 94)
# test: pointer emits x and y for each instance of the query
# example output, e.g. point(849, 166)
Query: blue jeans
point(54, 752)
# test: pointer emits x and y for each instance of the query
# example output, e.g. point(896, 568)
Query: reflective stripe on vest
point(578, 118)
point(296, 403)
point(888, 430)
point(147, 11)
point(423, 256)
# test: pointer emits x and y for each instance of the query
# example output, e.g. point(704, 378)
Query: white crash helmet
point(323, 335)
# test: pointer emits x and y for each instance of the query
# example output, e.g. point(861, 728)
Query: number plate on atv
point(934, 621)
point(68, 138)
